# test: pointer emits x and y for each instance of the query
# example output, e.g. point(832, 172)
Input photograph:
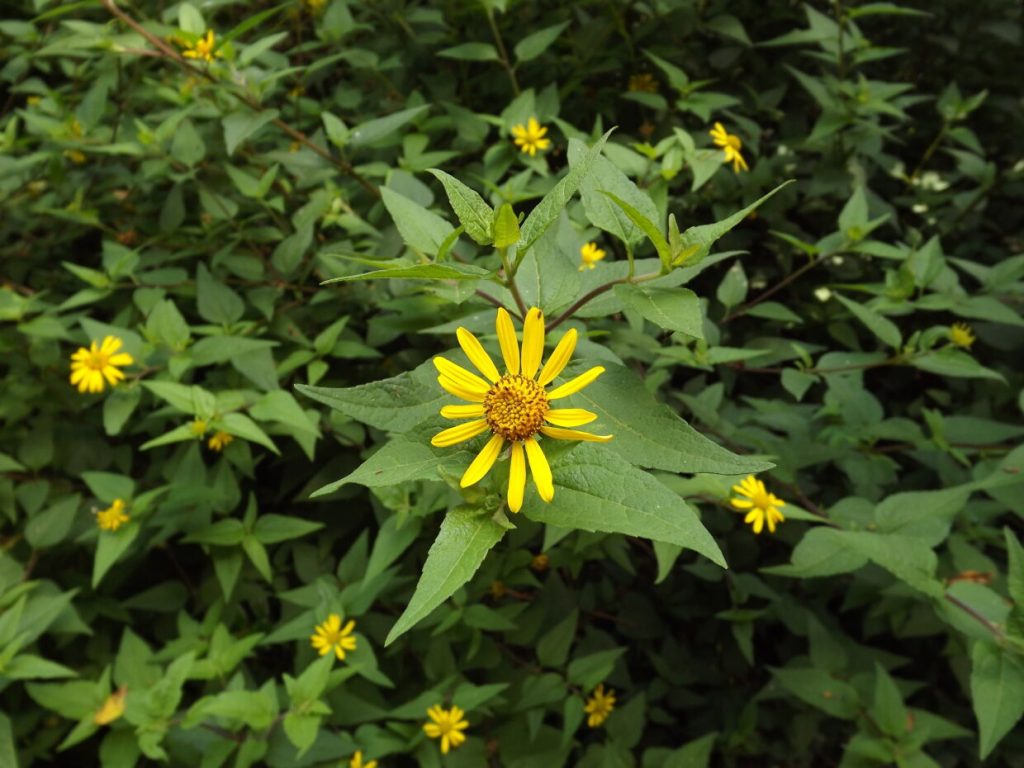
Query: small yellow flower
point(112, 708)
point(643, 83)
point(91, 365)
point(761, 504)
point(76, 156)
point(515, 407)
point(732, 146)
point(357, 761)
point(113, 517)
point(590, 254)
point(530, 137)
point(599, 705)
point(332, 636)
point(961, 335)
point(498, 589)
point(219, 440)
point(540, 562)
point(199, 427)
point(448, 725)
point(33, 101)
point(203, 48)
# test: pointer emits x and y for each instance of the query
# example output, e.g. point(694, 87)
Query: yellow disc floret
point(515, 407)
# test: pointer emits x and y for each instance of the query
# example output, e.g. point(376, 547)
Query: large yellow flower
point(599, 705)
point(530, 137)
point(91, 365)
point(759, 504)
point(732, 145)
point(448, 725)
point(331, 636)
point(515, 406)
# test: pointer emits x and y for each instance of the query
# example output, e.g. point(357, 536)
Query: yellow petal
point(462, 377)
point(477, 354)
point(462, 411)
point(741, 503)
point(483, 462)
point(533, 342)
point(110, 345)
point(432, 730)
point(540, 469)
point(516, 478)
point(459, 434)
point(466, 394)
point(570, 417)
point(122, 359)
point(559, 358)
point(573, 434)
point(575, 385)
point(507, 341)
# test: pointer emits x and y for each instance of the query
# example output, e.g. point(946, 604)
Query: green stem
point(502, 52)
point(510, 281)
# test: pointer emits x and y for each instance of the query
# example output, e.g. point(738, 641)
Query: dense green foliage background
point(192, 209)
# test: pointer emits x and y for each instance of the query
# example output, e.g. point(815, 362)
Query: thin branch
point(992, 627)
point(742, 310)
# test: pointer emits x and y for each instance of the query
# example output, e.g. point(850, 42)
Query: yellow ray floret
point(514, 406)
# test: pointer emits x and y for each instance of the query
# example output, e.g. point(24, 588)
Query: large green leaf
point(650, 434)
point(393, 405)
point(465, 538)
point(600, 210)
point(474, 214)
point(597, 490)
point(420, 229)
point(674, 309)
point(884, 328)
point(997, 690)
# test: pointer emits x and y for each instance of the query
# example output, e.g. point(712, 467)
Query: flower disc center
point(515, 407)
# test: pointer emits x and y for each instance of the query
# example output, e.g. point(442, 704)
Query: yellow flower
point(540, 562)
point(357, 761)
point(961, 335)
point(219, 440)
point(112, 708)
point(514, 406)
point(590, 254)
point(332, 636)
point(91, 365)
point(643, 82)
point(530, 137)
point(448, 725)
point(498, 589)
point(199, 427)
point(76, 156)
point(599, 705)
point(113, 517)
point(761, 504)
point(33, 101)
point(732, 146)
point(203, 48)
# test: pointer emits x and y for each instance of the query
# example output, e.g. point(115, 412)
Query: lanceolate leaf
point(997, 689)
point(474, 213)
point(465, 538)
point(706, 235)
point(597, 490)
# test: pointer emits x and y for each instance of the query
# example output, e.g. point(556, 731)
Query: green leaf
point(821, 552)
point(107, 486)
point(819, 689)
point(506, 227)
point(272, 529)
point(109, 548)
point(420, 229)
point(882, 327)
point(8, 752)
point(471, 52)
point(50, 527)
point(533, 45)
point(889, 710)
point(447, 271)
point(241, 125)
point(187, 147)
point(648, 227)
point(597, 490)
point(553, 203)
point(707, 235)
point(1015, 569)
point(650, 434)
point(465, 538)
point(379, 128)
point(401, 460)
point(118, 408)
point(674, 309)
point(30, 667)
point(394, 405)
point(956, 363)
point(587, 671)
point(240, 425)
point(599, 208)
point(553, 646)
point(473, 212)
point(997, 691)
point(215, 301)
point(733, 288)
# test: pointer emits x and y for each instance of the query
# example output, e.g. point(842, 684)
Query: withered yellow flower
point(219, 440)
point(961, 335)
point(514, 406)
point(112, 708)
